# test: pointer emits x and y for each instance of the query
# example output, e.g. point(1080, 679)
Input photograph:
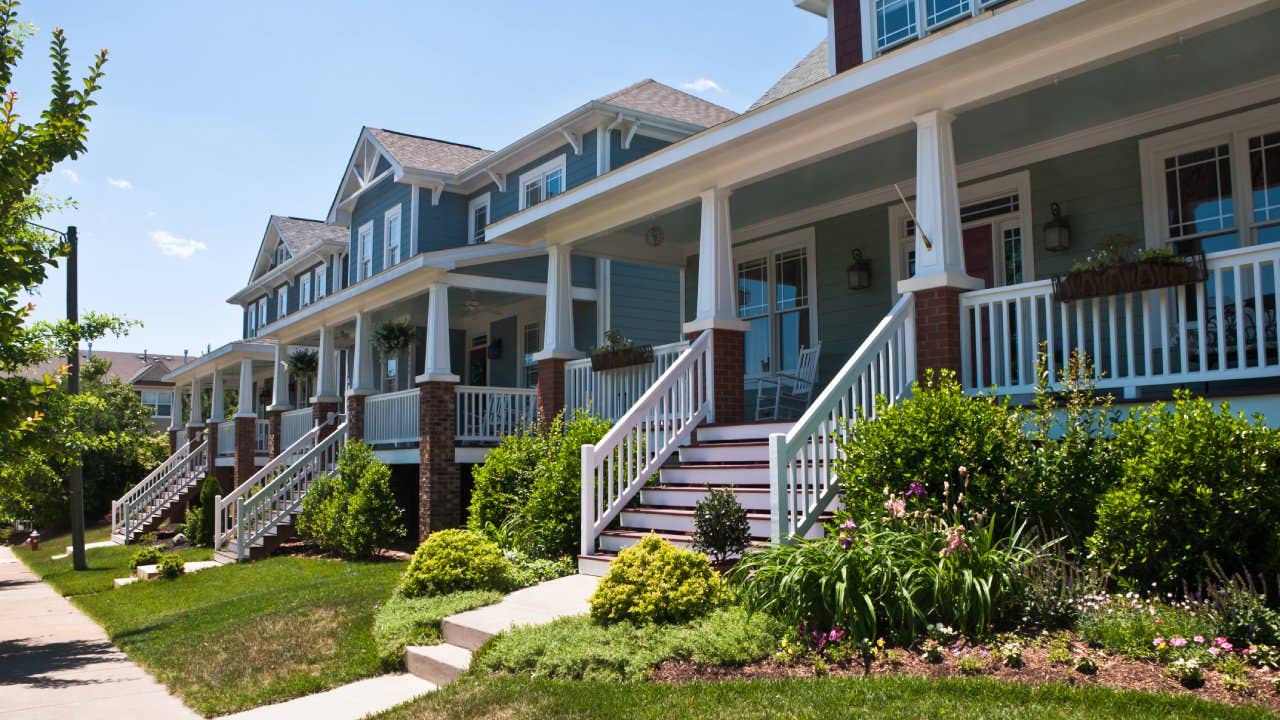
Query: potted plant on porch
point(392, 337)
point(1110, 270)
point(618, 352)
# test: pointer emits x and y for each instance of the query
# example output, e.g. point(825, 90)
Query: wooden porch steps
point(172, 511)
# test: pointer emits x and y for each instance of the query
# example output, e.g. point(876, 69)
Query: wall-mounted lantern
point(859, 272)
point(1057, 232)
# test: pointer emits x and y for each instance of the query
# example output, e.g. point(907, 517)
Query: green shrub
point(654, 581)
point(720, 527)
point(503, 483)
point(403, 621)
point(145, 556)
point(927, 439)
point(576, 648)
point(528, 571)
point(199, 525)
point(1196, 485)
point(454, 560)
point(352, 512)
point(170, 566)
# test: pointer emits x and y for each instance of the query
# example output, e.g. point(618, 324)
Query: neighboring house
point(900, 200)
point(144, 371)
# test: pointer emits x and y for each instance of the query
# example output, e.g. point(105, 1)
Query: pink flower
point(1214, 651)
point(955, 541)
point(1199, 639)
point(1226, 646)
point(1157, 642)
point(896, 507)
point(1178, 642)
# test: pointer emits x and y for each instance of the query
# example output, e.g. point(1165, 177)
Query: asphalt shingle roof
point(655, 98)
point(428, 153)
point(301, 235)
point(811, 69)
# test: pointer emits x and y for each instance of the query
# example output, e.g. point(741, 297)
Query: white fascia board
point(224, 355)
point(294, 264)
point(817, 7)
point(870, 102)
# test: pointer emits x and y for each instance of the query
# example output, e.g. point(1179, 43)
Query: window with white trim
point(262, 312)
point(532, 338)
point(775, 300)
point(894, 22)
point(304, 290)
point(282, 301)
point(160, 403)
point(251, 320)
point(1214, 186)
point(365, 248)
point(477, 219)
point(543, 182)
point(391, 238)
point(1003, 212)
point(321, 282)
point(281, 254)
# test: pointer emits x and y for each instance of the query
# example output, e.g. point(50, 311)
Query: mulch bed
point(1114, 672)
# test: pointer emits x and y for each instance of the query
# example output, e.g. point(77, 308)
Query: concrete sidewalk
point(57, 663)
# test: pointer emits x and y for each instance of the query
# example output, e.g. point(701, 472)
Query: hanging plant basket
point(393, 337)
point(303, 363)
point(1131, 276)
point(612, 359)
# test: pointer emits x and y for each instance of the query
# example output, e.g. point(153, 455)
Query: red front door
point(979, 261)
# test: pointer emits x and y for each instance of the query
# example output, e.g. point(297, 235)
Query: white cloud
point(170, 244)
point(702, 85)
point(71, 175)
point(152, 213)
point(119, 183)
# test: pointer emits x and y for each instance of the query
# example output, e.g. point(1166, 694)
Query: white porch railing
point(610, 393)
point(227, 438)
point(167, 481)
point(391, 418)
point(1221, 329)
point(487, 414)
point(261, 433)
point(802, 484)
point(662, 420)
point(293, 425)
point(224, 515)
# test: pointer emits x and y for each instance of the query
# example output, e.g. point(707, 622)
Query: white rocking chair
point(787, 393)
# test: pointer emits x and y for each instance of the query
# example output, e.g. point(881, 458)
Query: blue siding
point(503, 370)
point(641, 145)
point(645, 302)
point(372, 207)
point(534, 269)
point(584, 324)
point(578, 170)
point(444, 225)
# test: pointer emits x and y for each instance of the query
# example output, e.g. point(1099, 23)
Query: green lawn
point(105, 563)
point(239, 636)
point(883, 698)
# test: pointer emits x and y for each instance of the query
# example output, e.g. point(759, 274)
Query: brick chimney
point(844, 30)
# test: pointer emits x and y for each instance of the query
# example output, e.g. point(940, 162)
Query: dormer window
point(541, 183)
point(479, 218)
point(282, 254)
point(894, 22)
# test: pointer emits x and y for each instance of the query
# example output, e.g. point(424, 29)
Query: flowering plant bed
point(623, 357)
point(1133, 276)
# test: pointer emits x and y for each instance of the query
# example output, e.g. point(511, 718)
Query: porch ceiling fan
point(472, 303)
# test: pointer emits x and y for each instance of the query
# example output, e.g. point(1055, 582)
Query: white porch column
point(363, 379)
point(217, 408)
point(940, 260)
point(248, 405)
point(558, 322)
point(196, 417)
point(327, 370)
point(436, 366)
point(280, 380)
point(175, 412)
point(717, 302)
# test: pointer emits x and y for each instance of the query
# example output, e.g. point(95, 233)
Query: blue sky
point(215, 115)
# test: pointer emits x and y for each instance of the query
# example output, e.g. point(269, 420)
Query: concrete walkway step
point(438, 664)
point(151, 572)
point(348, 702)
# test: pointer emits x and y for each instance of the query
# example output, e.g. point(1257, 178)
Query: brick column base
point(192, 432)
point(211, 432)
point(275, 438)
point(244, 466)
point(550, 388)
point(355, 416)
point(938, 329)
point(173, 441)
point(320, 413)
point(728, 354)
point(439, 479)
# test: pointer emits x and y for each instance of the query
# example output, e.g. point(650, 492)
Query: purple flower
point(849, 525)
point(916, 489)
point(846, 542)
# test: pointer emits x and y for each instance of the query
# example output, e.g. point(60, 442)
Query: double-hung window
point(774, 298)
point(478, 218)
point(262, 312)
point(532, 344)
point(365, 241)
point(251, 320)
point(282, 301)
point(890, 23)
point(321, 282)
point(304, 290)
point(543, 182)
point(391, 235)
point(282, 254)
point(160, 403)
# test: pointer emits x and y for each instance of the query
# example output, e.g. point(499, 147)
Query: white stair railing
point(224, 513)
point(610, 393)
point(136, 507)
point(662, 420)
point(282, 496)
point(801, 482)
point(487, 414)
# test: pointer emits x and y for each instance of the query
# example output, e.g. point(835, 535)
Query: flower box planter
point(621, 357)
point(1131, 276)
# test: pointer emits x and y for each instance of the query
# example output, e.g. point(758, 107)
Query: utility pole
point(75, 477)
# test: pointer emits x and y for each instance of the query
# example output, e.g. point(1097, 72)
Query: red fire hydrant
point(33, 540)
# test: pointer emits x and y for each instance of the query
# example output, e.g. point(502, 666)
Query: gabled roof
point(299, 235)
point(651, 96)
point(428, 153)
point(132, 368)
point(811, 69)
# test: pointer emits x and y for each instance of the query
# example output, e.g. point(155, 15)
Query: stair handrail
point(160, 483)
point(663, 419)
point(801, 482)
point(224, 505)
point(283, 494)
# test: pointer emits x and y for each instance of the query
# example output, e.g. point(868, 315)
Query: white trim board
point(1177, 114)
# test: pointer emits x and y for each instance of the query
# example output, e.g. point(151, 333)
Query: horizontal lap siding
point(578, 169)
point(372, 207)
point(534, 269)
point(444, 225)
point(846, 317)
point(645, 302)
point(641, 145)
